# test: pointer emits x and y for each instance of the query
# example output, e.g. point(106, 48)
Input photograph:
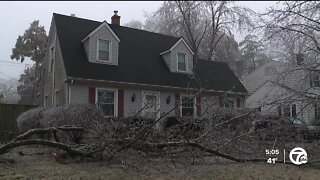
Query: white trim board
point(110, 51)
point(157, 94)
point(115, 98)
point(181, 39)
point(98, 28)
point(151, 85)
point(194, 99)
point(186, 61)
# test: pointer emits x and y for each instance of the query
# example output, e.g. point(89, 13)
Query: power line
point(3, 61)
point(7, 75)
point(13, 65)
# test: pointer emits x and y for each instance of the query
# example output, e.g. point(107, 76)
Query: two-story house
point(285, 89)
point(126, 71)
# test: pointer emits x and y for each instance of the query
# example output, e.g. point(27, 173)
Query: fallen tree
point(22, 140)
point(236, 135)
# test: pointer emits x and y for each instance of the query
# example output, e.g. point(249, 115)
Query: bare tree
point(8, 92)
point(292, 29)
point(136, 24)
point(206, 25)
point(298, 22)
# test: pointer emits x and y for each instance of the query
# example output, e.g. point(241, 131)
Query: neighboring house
point(284, 89)
point(258, 77)
point(127, 71)
point(8, 91)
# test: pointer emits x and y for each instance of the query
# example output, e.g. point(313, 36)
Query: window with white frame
point(56, 98)
point(51, 60)
point(229, 103)
point(293, 110)
point(107, 101)
point(315, 79)
point(187, 106)
point(45, 101)
point(151, 104)
point(103, 50)
point(288, 110)
point(182, 62)
point(316, 110)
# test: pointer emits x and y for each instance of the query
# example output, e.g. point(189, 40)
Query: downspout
point(53, 71)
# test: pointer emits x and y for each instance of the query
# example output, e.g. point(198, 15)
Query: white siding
point(132, 108)
point(171, 58)
point(182, 48)
point(166, 58)
point(86, 47)
point(294, 78)
point(164, 107)
point(79, 94)
point(258, 77)
point(208, 103)
point(270, 96)
point(91, 45)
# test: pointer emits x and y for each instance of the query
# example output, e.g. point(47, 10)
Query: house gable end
point(54, 73)
point(171, 57)
point(258, 77)
point(104, 24)
point(91, 45)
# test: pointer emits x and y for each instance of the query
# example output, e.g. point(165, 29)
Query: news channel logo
point(298, 156)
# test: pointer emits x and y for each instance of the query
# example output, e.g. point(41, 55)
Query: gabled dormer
point(102, 45)
point(179, 58)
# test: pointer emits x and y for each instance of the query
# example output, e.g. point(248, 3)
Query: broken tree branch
point(46, 131)
point(13, 144)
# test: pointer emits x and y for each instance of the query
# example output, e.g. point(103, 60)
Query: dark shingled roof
point(139, 58)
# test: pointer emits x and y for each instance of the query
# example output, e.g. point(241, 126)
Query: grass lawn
point(43, 167)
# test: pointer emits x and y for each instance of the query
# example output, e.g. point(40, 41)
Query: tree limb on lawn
point(202, 148)
point(13, 144)
point(46, 131)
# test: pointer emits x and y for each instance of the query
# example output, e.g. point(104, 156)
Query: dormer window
point(103, 50)
point(182, 62)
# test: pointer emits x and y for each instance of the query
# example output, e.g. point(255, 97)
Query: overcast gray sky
point(15, 18)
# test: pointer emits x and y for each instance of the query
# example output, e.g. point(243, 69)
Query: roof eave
point(153, 85)
point(165, 52)
point(99, 27)
point(175, 44)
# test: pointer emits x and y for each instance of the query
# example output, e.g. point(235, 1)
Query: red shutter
point(198, 100)
point(238, 102)
point(221, 101)
point(177, 101)
point(120, 103)
point(92, 95)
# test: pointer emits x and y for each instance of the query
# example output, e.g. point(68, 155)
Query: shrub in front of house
point(182, 128)
point(80, 115)
point(30, 119)
point(124, 127)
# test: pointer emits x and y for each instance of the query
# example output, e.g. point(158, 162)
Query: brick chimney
point(300, 59)
point(115, 19)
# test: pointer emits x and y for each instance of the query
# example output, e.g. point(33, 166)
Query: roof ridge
point(148, 31)
point(77, 17)
point(119, 26)
point(210, 61)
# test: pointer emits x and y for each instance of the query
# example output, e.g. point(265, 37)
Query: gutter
point(72, 79)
